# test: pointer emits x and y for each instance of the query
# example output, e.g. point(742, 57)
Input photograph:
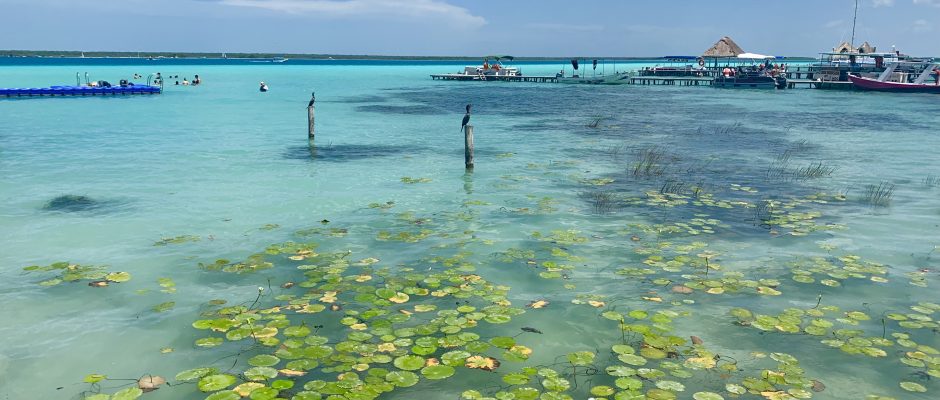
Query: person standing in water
point(196, 80)
point(263, 88)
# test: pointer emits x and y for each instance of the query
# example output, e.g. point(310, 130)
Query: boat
point(759, 74)
point(893, 81)
point(494, 70)
point(270, 60)
point(749, 80)
point(594, 78)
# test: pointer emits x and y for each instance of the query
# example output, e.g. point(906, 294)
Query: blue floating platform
point(81, 91)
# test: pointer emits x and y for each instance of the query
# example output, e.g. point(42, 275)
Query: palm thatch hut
point(725, 47)
point(866, 48)
point(843, 47)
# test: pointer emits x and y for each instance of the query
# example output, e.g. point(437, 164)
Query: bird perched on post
point(313, 98)
point(466, 119)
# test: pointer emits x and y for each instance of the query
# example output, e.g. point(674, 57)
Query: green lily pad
point(260, 373)
point(437, 371)
point(216, 382)
point(707, 396)
point(193, 374)
point(913, 387)
point(402, 378)
point(602, 390)
point(226, 395)
point(581, 357)
point(632, 359)
point(263, 360)
point(130, 393)
point(409, 362)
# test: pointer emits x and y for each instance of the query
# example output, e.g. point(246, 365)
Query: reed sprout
point(932, 180)
point(601, 202)
point(813, 171)
point(878, 195)
point(650, 163)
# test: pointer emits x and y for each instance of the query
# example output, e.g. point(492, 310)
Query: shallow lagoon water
point(228, 172)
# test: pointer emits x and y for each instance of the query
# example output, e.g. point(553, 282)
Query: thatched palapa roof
point(843, 47)
point(725, 47)
point(846, 47)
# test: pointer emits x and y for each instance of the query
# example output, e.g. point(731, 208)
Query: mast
point(854, 19)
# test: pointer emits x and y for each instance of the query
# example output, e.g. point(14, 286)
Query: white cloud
point(921, 26)
point(935, 3)
point(884, 3)
point(414, 9)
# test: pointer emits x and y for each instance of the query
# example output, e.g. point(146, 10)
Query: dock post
point(468, 146)
point(311, 116)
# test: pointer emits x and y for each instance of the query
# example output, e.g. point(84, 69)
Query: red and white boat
point(889, 81)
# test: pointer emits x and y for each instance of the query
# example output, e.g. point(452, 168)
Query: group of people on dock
point(765, 68)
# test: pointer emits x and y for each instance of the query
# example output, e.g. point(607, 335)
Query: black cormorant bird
point(313, 98)
point(466, 119)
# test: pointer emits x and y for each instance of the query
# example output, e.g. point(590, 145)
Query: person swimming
point(263, 88)
point(185, 82)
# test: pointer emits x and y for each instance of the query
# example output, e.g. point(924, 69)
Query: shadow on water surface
point(347, 152)
point(71, 203)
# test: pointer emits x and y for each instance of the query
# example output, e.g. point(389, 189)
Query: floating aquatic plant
point(177, 240)
point(68, 272)
point(410, 180)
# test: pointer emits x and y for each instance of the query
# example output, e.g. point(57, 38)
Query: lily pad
point(216, 382)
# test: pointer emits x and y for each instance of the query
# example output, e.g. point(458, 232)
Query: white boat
point(593, 77)
point(494, 70)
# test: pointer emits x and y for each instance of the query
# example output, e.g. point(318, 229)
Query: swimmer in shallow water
point(263, 88)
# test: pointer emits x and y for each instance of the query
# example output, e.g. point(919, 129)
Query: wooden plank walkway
point(672, 80)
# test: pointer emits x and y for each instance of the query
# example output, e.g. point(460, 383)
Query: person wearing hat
point(263, 88)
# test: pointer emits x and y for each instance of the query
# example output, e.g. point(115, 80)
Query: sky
point(563, 28)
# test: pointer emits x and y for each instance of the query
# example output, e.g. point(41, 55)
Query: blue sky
point(464, 27)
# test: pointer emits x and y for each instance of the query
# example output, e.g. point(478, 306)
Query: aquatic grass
point(932, 181)
point(595, 122)
point(878, 195)
point(602, 202)
point(672, 186)
point(650, 162)
point(814, 171)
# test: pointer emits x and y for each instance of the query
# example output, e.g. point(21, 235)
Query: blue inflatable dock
point(81, 91)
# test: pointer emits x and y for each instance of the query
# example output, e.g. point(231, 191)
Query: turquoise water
point(555, 210)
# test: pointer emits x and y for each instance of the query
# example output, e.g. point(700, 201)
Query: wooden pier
point(672, 80)
point(797, 77)
point(504, 78)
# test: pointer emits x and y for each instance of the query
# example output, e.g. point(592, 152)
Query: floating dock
point(81, 91)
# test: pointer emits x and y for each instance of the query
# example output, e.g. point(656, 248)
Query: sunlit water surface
point(229, 172)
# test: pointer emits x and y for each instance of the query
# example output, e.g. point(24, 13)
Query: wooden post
point(311, 116)
point(468, 146)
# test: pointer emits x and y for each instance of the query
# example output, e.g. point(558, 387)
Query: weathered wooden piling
point(468, 146)
point(311, 116)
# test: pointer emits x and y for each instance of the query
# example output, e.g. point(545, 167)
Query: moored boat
point(862, 83)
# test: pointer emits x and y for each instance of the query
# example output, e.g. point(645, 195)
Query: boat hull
point(861, 83)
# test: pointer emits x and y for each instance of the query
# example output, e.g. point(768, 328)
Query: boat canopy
point(753, 56)
point(497, 58)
